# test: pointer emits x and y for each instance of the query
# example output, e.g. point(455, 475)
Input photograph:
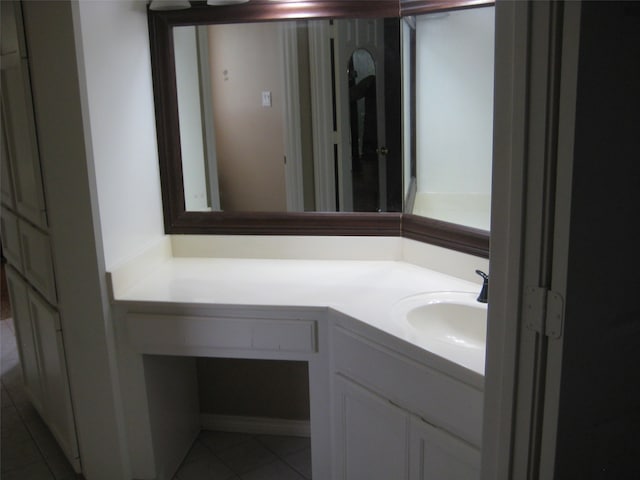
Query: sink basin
point(454, 318)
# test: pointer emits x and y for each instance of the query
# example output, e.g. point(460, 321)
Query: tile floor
point(238, 456)
point(30, 452)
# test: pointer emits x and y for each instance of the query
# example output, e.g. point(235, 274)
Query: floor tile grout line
point(240, 474)
point(276, 453)
point(283, 459)
point(32, 440)
point(261, 443)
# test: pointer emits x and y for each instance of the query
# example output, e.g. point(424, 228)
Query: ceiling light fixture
point(169, 4)
point(225, 2)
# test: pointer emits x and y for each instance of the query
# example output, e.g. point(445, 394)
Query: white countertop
point(365, 290)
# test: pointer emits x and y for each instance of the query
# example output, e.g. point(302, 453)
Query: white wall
point(454, 70)
point(249, 137)
point(115, 53)
point(119, 123)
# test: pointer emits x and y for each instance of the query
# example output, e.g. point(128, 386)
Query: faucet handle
point(483, 275)
point(484, 293)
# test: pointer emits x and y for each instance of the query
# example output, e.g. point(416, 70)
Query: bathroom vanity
point(384, 402)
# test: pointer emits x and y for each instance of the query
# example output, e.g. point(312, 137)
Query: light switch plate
point(266, 98)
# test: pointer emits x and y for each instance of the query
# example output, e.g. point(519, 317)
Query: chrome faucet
point(484, 293)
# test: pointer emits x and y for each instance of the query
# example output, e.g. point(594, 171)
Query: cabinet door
point(26, 337)
point(10, 236)
point(370, 435)
point(437, 455)
point(36, 260)
point(58, 410)
point(11, 28)
point(21, 139)
point(6, 188)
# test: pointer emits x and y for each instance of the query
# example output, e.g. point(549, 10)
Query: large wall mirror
point(326, 117)
point(294, 117)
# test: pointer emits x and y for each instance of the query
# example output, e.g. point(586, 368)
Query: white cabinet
point(397, 418)
point(375, 439)
point(26, 243)
point(43, 362)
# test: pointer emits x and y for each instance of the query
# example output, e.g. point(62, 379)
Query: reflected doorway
point(363, 128)
point(367, 83)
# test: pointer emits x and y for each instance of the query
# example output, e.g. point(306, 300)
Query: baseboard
point(255, 425)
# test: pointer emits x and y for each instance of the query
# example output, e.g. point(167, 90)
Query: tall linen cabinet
point(26, 243)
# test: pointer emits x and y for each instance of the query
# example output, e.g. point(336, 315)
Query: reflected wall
point(454, 115)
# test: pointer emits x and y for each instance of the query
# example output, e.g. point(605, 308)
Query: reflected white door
point(352, 35)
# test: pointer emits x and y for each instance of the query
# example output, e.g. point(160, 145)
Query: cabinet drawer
point(153, 333)
point(36, 260)
point(437, 398)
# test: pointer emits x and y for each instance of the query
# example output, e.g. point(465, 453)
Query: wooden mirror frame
point(179, 221)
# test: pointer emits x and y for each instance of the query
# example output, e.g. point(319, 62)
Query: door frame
point(208, 124)
point(534, 117)
point(292, 132)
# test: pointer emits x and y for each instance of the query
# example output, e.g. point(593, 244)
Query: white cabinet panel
point(26, 337)
point(370, 437)
point(11, 29)
point(382, 416)
point(430, 394)
point(157, 332)
point(21, 139)
point(58, 411)
point(434, 454)
point(44, 368)
point(6, 183)
point(10, 238)
point(36, 260)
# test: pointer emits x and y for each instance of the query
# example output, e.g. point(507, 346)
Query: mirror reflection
point(363, 129)
point(349, 115)
point(453, 81)
point(289, 116)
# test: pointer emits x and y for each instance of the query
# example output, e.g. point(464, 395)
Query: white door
point(352, 35)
